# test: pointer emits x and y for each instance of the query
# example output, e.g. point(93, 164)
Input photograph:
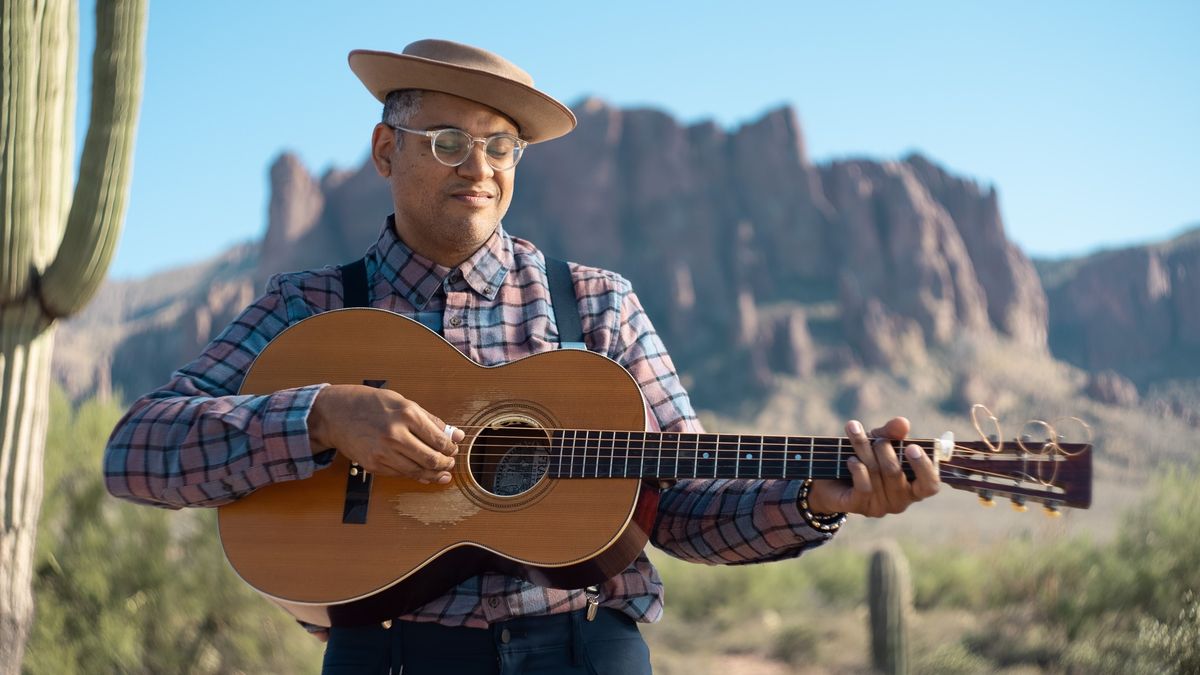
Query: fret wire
point(737, 460)
point(812, 452)
point(574, 440)
point(593, 446)
point(762, 442)
point(678, 442)
point(612, 455)
point(563, 436)
point(648, 439)
point(630, 441)
point(838, 468)
point(716, 452)
point(583, 457)
point(658, 463)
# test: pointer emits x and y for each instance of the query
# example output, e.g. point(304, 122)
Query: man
point(456, 122)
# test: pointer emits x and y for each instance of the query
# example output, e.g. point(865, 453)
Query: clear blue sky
point(1083, 114)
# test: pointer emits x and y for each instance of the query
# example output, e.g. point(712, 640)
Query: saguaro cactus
point(55, 245)
point(890, 592)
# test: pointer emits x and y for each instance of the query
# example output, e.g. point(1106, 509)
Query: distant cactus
point(55, 244)
point(890, 591)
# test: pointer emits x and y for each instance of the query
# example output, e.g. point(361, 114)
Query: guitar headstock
point(1048, 462)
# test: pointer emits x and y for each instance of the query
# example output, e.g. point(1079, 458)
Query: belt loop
point(576, 639)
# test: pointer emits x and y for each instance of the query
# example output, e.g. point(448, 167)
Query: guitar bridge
point(358, 496)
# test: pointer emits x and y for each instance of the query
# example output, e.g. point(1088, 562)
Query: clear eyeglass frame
point(503, 163)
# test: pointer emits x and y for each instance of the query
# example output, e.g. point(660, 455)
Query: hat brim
point(538, 116)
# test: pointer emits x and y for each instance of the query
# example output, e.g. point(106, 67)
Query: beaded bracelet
point(821, 522)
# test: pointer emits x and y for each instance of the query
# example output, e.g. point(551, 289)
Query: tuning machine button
point(1018, 504)
point(1051, 511)
point(986, 499)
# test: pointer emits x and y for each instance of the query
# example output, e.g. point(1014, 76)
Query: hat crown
point(466, 56)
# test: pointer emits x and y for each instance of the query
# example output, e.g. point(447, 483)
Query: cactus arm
point(102, 192)
point(17, 112)
point(54, 132)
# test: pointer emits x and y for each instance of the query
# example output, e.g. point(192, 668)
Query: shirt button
point(494, 602)
point(489, 290)
point(505, 636)
point(420, 299)
point(456, 321)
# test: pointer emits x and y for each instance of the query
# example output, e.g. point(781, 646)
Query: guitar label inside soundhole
point(510, 460)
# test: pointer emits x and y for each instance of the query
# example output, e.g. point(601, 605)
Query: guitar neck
point(578, 453)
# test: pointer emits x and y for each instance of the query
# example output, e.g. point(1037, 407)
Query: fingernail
point(424, 481)
point(855, 427)
point(444, 478)
point(913, 452)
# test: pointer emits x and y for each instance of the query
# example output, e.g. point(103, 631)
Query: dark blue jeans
point(560, 644)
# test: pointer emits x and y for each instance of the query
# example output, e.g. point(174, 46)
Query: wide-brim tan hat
point(468, 72)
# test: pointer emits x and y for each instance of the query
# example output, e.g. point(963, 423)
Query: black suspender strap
point(565, 303)
point(354, 284)
point(562, 297)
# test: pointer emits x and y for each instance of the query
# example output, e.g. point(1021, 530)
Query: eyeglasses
point(452, 147)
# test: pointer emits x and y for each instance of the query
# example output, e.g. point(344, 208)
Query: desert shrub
point(132, 589)
point(951, 659)
point(831, 576)
point(797, 644)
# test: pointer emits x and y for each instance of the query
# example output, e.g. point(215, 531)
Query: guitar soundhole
point(511, 459)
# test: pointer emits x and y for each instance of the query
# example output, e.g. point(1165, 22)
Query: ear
point(383, 145)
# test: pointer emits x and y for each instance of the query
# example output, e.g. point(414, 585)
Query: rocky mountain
point(752, 260)
point(1134, 310)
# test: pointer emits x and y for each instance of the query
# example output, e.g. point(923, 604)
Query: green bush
point(133, 589)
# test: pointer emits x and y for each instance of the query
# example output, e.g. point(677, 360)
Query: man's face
point(445, 212)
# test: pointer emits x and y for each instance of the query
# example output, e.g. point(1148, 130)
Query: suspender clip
point(593, 601)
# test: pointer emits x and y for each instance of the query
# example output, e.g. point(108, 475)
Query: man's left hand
point(879, 486)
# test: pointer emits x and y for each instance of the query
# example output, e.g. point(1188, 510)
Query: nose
point(476, 166)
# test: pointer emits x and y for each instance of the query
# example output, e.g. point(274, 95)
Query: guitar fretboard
point(578, 453)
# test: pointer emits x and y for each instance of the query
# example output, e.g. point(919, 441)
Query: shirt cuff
point(285, 438)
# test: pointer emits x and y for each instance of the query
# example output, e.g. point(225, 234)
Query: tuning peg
point(1018, 504)
point(1051, 511)
point(985, 499)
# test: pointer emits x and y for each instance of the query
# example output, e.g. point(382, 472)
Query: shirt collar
point(418, 278)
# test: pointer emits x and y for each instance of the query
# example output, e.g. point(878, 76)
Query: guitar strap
point(562, 297)
point(565, 304)
point(354, 284)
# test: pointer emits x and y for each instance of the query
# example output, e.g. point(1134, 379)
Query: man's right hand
point(383, 432)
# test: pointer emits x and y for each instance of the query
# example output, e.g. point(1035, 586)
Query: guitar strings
point(944, 469)
point(823, 442)
point(607, 446)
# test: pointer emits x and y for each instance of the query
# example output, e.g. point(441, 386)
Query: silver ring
point(449, 431)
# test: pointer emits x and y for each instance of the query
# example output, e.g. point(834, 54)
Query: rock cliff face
point(1135, 310)
point(749, 258)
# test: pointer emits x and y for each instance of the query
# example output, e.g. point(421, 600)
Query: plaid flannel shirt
point(196, 442)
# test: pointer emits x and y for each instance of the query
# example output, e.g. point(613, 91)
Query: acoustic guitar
point(556, 480)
